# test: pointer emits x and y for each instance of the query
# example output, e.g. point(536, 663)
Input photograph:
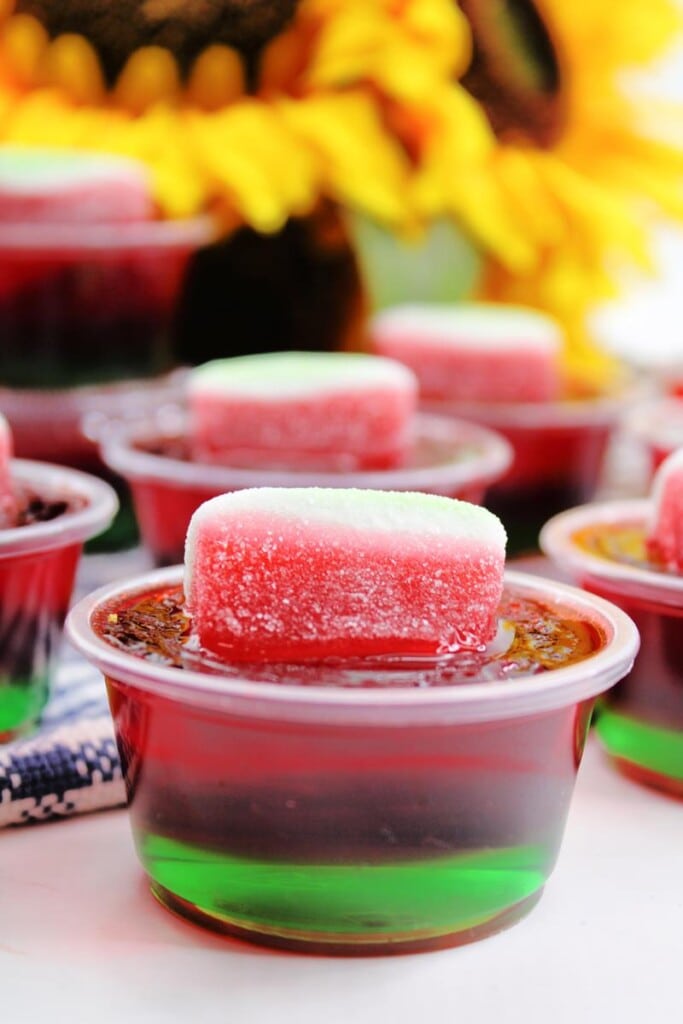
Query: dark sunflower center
point(515, 71)
point(118, 27)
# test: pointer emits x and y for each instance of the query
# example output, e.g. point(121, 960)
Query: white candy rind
point(282, 376)
point(483, 326)
point(426, 517)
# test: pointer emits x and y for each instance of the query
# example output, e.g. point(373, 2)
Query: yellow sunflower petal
point(406, 56)
point(251, 152)
point(357, 161)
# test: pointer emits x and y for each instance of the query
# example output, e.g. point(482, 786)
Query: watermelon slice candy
point(474, 352)
point(313, 410)
point(52, 186)
point(665, 535)
point(278, 575)
point(8, 501)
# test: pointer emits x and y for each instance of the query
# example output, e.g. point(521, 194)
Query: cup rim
point(96, 401)
point(557, 543)
point(447, 705)
point(69, 528)
point(187, 233)
point(119, 453)
point(602, 410)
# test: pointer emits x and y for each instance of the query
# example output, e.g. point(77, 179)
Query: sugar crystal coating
point(70, 187)
point(474, 351)
point(8, 501)
point(665, 535)
point(304, 574)
point(302, 409)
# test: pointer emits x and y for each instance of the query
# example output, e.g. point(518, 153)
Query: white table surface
point(82, 939)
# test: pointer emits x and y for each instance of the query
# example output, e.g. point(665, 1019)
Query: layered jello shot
point(295, 419)
point(89, 279)
point(342, 728)
point(632, 553)
point(502, 366)
point(46, 514)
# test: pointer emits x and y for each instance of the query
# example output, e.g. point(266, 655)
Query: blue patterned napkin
point(71, 765)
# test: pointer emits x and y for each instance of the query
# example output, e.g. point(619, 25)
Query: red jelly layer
point(77, 317)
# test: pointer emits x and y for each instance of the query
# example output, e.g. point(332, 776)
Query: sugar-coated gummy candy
point(71, 188)
point(306, 573)
point(8, 501)
point(665, 538)
point(474, 352)
point(314, 410)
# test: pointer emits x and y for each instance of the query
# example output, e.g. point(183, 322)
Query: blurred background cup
point(38, 563)
point(90, 280)
point(640, 722)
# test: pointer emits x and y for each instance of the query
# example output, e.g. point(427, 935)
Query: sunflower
point(312, 124)
point(573, 169)
point(511, 117)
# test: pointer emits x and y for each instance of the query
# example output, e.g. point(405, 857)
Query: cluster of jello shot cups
point(343, 727)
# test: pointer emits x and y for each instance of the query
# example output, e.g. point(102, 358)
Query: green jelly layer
point(439, 895)
point(21, 704)
point(649, 746)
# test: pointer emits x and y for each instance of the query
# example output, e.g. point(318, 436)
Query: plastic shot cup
point(85, 317)
point(451, 458)
point(38, 563)
point(640, 722)
point(325, 816)
point(559, 452)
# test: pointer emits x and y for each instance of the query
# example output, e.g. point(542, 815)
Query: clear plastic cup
point(641, 721)
point(350, 820)
point(658, 427)
point(451, 458)
point(85, 306)
point(64, 426)
point(37, 568)
point(559, 451)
